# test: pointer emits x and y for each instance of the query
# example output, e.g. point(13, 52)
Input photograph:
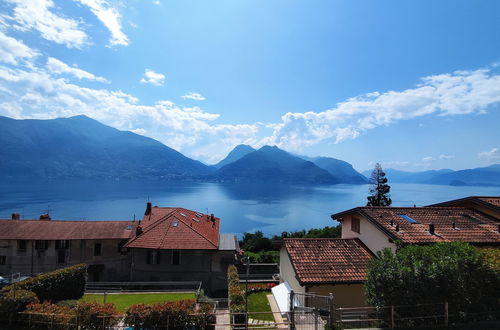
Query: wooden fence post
point(392, 316)
point(446, 313)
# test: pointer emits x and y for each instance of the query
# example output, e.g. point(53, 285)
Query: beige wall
point(116, 265)
point(207, 266)
point(344, 295)
point(287, 273)
point(369, 234)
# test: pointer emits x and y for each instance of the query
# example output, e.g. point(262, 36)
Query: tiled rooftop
point(450, 224)
point(328, 260)
point(65, 229)
point(177, 228)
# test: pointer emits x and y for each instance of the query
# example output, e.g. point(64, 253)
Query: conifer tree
point(379, 191)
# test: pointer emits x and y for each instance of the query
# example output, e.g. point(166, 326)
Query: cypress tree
point(379, 190)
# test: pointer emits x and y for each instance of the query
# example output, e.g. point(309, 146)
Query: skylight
point(194, 219)
point(407, 218)
point(175, 223)
point(183, 215)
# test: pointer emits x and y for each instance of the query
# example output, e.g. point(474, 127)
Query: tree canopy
point(454, 272)
point(379, 190)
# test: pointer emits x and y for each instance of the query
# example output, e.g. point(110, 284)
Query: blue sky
point(414, 85)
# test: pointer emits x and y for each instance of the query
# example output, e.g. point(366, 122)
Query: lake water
point(241, 207)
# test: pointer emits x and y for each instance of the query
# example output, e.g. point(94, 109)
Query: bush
point(453, 272)
point(47, 315)
point(15, 301)
point(92, 315)
point(61, 284)
point(236, 295)
point(172, 315)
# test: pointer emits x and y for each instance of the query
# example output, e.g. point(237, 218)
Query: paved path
point(276, 312)
point(222, 319)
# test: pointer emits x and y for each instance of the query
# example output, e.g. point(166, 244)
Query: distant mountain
point(483, 176)
point(235, 154)
point(271, 164)
point(340, 169)
point(80, 147)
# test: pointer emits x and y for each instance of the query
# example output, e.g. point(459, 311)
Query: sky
point(414, 85)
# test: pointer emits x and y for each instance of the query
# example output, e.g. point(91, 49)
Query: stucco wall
point(344, 295)
point(369, 234)
point(287, 273)
point(207, 266)
point(116, 265)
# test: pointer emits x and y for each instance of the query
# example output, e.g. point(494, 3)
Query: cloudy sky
point(414, 85)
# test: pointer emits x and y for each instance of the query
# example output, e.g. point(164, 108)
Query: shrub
point(47, 315)
point(172, 315)
point(92, 315)
point(15, 301)
point(61, 284)
point(454, 272)
point(236, 295)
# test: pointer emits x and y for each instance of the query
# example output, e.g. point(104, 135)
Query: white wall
point(287, 273)
point(372, 236)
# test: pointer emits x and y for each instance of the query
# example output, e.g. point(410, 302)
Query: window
point(21, 245)
point(121, 249)
point(97, 249)
point(355, 225)
point(176, 257)
point(3, 260)
point(62, 244)
point(61, 256)
point(153, 257)
point(41, 245)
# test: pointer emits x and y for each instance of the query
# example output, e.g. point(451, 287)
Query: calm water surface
point(241, 207)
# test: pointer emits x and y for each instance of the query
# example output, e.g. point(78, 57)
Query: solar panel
point(407, 218)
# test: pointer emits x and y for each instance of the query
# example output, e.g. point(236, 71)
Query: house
point(176, 244)
point(322, 267)
point(35, 246)
point(168, 244)
point(326, 265)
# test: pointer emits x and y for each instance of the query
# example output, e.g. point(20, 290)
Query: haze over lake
point(241, 207)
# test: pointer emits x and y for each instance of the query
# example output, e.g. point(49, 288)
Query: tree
point(380, 189)
point(453, 272)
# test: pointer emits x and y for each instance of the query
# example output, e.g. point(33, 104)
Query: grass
point(257, 302)
point(123, 300)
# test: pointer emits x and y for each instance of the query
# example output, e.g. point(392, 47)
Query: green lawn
point(124, 300)
point(257, 302)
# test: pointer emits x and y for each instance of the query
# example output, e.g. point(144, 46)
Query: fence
point(99, 287)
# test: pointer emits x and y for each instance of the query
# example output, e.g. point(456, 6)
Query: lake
point(241, 207)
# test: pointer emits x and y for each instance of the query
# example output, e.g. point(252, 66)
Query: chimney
point(138, 230)
point(454, 225)
point(499, 228)
point(16, 216)
point(432, 229)
point(148, 209)
point(212, 218)
point(397, 227)
point(45, 217)
point(392, 223)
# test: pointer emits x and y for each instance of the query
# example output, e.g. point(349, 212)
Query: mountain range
point(82, 148)
point(481, 176)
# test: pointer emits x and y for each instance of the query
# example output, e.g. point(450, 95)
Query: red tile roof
point(65, 230)
point(470, 225)
point(328, 260)
point(492, 202)
point(177, 228)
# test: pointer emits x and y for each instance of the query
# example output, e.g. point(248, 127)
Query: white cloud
point(153, 78)
point(458, 93)
point(56, 66)
point(491, 155)
point(428, 159)
point(193, 96)
point(110, 17)
point(446, 157)
point(11, 50)
point(38, 15)
point(156, 2)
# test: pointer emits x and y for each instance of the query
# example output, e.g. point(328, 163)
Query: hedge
point(13, 302)
point(236, 295)
point(171, 315)
point(87, 315)
point(61, 284)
